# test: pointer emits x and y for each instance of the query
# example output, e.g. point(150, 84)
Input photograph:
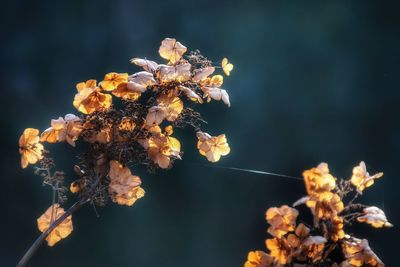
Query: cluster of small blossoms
point(296, 243)
point(129, 120)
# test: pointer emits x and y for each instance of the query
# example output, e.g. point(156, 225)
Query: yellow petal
point(226, 66)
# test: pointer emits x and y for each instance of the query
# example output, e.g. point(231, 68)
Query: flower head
point(282, 220)
point(171, 50)
point(319, 180)
point(280, 250)
point(112, 80)
point(226, 66)
point(361, 179)
point(375, 217)
point(90, 98)
point(124, 187)
point(62, 230)
point(259, 259)
point(161, 148)
point(358, 253)
point(326, 206)
point(29, 147)
point(212, 147)
point(63, 129)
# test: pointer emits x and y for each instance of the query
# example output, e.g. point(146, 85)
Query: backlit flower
point(212, 147)
point(375, 217)
point(358, 253)
point(171, 50)
point(226, 66)
point(259, 259)
point(112, 80)
point(62, 230)
point(319, 180)
point(280, 250)
point(326, 205)
point(124, 187)
point(63, 129)
point(216, 94)
point(169, 108)
point(361, 179)
point(177, 73)
point(29, 147)
point(282, 220)
point(127, 91)
point(161, 148)
point(90, 98)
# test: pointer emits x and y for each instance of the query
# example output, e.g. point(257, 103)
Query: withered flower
point(177, 73)
point(124, 187)
point(63, 129)
point(212, 147)
point(259, 259)
point(280, 250)
point(358, 253)
point(326, 206)
point(29, 147)
point(112, 80)
point(127, 91)
point(171, 50)
point(282, 220)
point(63, 230)
point(296, 247)
point(226, 66)
point(319, 180)
point(90, 98)
point(361, 179)
point(169, 107)
point(375, 217)
point(162, 148)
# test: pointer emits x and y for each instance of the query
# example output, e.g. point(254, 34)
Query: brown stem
point(34, 247)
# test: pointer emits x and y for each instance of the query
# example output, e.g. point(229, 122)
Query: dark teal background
point(313, 81)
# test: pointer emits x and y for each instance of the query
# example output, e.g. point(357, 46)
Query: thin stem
point(31, 251)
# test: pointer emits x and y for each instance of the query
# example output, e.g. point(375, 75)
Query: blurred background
point(313, 81)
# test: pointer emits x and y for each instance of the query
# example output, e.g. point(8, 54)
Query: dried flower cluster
point(296, 243)
point(127, 120)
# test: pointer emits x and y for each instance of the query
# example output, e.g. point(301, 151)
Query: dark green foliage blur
point(313, 81)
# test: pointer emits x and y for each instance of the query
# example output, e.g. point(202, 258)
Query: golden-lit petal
point(124, 187)
point(361, 179)
point(112, 80)
point(213, 147)
point(127, 91)
point(226, 66)
point(29, 147)
point(171, 50)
